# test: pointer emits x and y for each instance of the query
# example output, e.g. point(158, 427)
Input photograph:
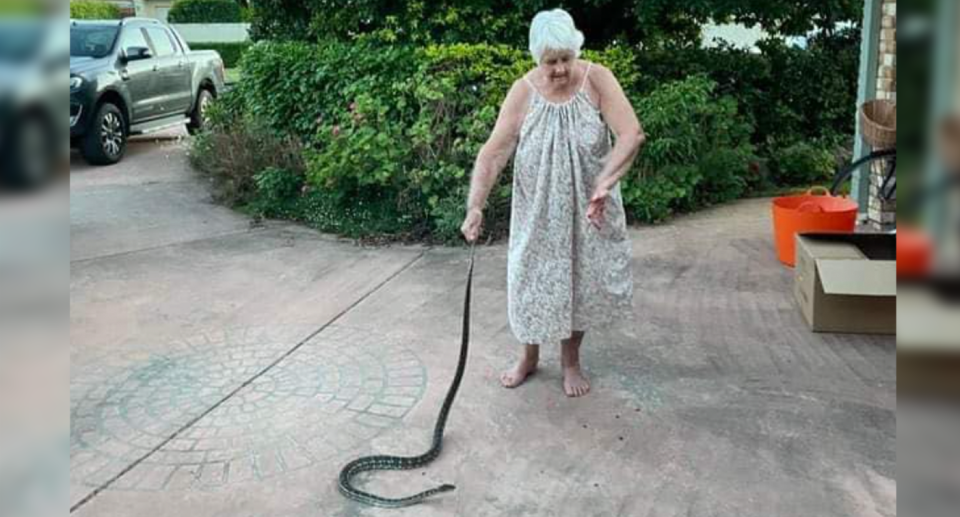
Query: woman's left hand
point(598, 204)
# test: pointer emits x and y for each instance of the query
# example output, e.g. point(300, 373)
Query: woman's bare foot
point(574, 383)
point(523, 369)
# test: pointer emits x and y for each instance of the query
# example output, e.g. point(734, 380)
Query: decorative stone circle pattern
point(337, 392)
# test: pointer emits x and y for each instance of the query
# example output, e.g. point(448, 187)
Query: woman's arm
point(498, 149)
point(619, 115)
point(621, 118)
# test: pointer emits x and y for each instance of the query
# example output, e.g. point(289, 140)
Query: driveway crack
point(105, 485)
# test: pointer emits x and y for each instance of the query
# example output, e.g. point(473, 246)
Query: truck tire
point(198, 117)
point(28, 159)
point(106, 140)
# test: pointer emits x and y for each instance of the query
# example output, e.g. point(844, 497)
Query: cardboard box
point(928, 315)
point(847, 282)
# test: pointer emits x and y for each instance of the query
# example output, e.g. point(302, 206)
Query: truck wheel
point(28, 160)
point(198, 119)
point(106, 141)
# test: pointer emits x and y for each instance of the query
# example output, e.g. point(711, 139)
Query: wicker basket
point(878, 119)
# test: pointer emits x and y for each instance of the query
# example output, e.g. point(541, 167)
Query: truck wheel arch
point(114, 97)
point(208, 85)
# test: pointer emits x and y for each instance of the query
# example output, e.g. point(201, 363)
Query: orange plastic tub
point(809, 213)
point(914, 253)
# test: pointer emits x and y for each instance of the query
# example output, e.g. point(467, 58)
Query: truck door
point(175, 73)
point(142, 76)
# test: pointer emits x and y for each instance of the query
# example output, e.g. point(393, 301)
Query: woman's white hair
point(554, 30)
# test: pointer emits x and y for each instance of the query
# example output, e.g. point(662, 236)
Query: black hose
point(883, 154)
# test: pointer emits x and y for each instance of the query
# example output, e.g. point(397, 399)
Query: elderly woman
point(568, 267)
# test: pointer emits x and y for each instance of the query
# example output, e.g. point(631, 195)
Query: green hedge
point(21, 9)
point(247, 14)
point(205, 11)
point(803, 164)
point(605, 22)
point(93, 10)
point(698, 150)
point(230, 52)
point(391, 133)
point(792, 94)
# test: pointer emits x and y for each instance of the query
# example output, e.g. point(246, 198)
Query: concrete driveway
point(221, 368)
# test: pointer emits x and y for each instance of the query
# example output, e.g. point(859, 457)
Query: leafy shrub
point(277, 191)
point(246, 14)
point(415, 138)
point(654, 198)
point(791, 94)
point(726, 174)
point(235, 151)
point(803, 164)
point(630, 22)
point(812, 93)
point(697, 142)
point(372, 217)
point(295, 87)
point(94, 10)
point(205, 11)
point(230, 52)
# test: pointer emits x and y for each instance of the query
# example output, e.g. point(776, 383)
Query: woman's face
point(557, 65)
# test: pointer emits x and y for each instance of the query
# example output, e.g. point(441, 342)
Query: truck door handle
point(156, 68)
point(180, 64)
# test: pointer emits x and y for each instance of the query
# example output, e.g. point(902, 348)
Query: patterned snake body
point(385, 462)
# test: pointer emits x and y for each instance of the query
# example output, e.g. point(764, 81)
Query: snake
point(387, 462)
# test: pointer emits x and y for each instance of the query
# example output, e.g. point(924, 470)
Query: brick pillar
point(883, 215)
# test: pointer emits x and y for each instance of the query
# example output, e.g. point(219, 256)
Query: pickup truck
point(33, 78)
point(135, 76)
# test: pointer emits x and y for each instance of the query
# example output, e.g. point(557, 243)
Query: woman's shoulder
point(599, 81)
point(526, 79)
point(523, 86)
point(519, 94)
point(596, 71)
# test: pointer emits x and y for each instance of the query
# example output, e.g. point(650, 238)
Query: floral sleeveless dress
point(564, 274)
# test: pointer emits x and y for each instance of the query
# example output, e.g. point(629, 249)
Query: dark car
point(132, 77)
point(33, 77)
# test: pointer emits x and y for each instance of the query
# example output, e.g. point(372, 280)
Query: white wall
point(741, 36)
point(736, 34)
point(213, 32)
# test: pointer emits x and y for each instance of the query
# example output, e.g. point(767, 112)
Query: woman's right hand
point(472, 224)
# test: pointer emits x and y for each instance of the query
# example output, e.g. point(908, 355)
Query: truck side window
point(161, 42)
point(133, 37)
